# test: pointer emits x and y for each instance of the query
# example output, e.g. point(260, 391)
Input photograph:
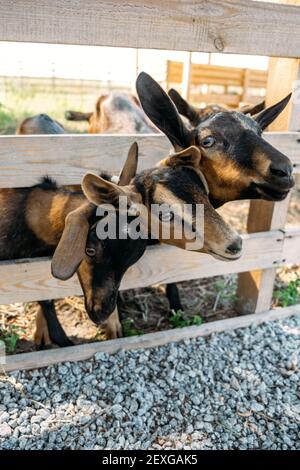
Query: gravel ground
point(233, 390)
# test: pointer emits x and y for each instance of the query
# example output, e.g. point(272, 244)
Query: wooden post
point(255, 288)
point(186, 76)
point(245, 91)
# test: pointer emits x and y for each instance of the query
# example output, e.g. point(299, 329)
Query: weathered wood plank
point(291, 246)
point(24, 159)
point(255, 289)
point(86, 351)
point(237, 26)
point(24, 281)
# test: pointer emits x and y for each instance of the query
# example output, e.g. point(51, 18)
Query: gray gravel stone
point(5, 430)
point(234, 390)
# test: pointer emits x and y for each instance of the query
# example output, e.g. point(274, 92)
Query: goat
point(236, 161)
point(120, 113)
point(46, 220)
point(115, 113)
point(178, 181)
point(196, 115)
point(39, 124)
point(43, 124)
point(32, 222)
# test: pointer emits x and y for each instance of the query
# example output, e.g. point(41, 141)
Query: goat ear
point(162, 111)
point(130, 166)
point(100, 191)
point(252, 109)
point(188, 157)
point(268, 115)
point(184, 108)
point(71, 247)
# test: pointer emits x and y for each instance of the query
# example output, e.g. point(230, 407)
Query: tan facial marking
point(85, 276)
point(261, 163)
point(175, 235)
point(204, 132)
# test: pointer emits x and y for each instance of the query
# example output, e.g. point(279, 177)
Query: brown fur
point(41, 334)
point(54, 206)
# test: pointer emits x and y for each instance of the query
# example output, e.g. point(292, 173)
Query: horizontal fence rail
point(28, 280)
point(244, 27)
point(148, 340)
point(25, 159)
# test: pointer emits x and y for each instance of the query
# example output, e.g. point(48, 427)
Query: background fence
point(217, 84)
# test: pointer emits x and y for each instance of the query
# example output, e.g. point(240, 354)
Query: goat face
point(100, 262)
point(102, 269)
point(177, 186)
point(237, 162)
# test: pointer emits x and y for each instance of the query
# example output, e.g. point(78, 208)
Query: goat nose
point(235, 247)
point(281, 170)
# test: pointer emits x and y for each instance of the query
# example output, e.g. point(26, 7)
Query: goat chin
point(223, 257)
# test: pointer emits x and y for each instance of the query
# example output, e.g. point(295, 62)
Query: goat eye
point(90, 251)
point(208, 141)
point(166, 216)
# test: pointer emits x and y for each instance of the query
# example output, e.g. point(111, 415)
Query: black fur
point(56, 331)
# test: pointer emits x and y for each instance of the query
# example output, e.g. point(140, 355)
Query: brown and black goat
point(115, 113)
point(177, 183)
point(35, 220)
point(236, 160)
point(44, 220)
point(120, 113)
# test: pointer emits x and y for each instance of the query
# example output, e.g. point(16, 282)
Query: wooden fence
point(214, 26)
point(235, 84)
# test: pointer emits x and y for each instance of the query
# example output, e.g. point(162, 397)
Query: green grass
point(179, 320)
point(19, 104)
point(128, 328)
point(226, 290)
point(10, 336)
point(8, 121)
point(290, 295)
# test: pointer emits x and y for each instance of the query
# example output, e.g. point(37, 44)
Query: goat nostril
point(281, 172)
point(235, 247)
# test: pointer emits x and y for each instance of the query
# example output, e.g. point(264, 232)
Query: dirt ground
point(146, 310)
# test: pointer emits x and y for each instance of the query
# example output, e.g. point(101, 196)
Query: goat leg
point(56, 332)
point(41, 335)
point(113, 327)
point(173, 297)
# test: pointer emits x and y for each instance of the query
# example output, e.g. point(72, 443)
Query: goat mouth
point(271, 194)
point(223, 257)
point(98, 319)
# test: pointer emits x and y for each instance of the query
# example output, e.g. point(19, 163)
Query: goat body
point(32, 219)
